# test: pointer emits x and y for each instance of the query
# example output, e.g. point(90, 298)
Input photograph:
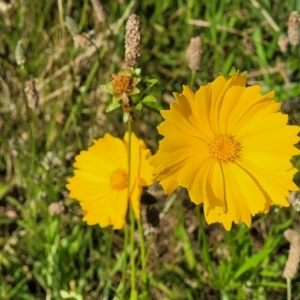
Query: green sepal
point(151, 82)
point(112, 106)
point(108, 87)
point(232, 71)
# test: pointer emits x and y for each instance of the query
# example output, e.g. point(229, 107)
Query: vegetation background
point(51, 108)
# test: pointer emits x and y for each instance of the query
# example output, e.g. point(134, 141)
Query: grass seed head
point(133, 40)
point(283, 42)
point(31, 94)
point(20, 53)
point(194, 53)
point(99, 10)
point(293, 28)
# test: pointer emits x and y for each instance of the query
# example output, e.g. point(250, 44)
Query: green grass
point(48, 257)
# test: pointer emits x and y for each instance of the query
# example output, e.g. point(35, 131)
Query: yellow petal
point(280, 141)
point(226, 107)
point(271, 184)
point(108, 211)
point(85, 190)
point(236, 210)
point(135, 200)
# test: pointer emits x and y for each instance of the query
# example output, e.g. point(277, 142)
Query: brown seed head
point(122, 84)
point(194, 53)
point(293, 28)
point(31, 93)
point(133, 40)
point(283, 43)
point(292, 264)
point(99, 10)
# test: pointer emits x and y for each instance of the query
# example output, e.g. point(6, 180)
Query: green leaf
point(109, 87)
point(4, 188)
point(14, 202)
point(254, 261)
point(269, 273)
point(272, 284)
point(187, 246)
point(151, 82)
point(112, 106)
point(149, 98)
point(139, 106)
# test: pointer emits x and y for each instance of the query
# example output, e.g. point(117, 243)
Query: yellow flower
point(100, 182)
point(230, 147)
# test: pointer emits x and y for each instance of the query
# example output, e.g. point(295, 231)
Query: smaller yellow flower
point(100, 182)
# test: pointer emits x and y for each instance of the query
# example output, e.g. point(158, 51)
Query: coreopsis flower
point(230, 147)
point(100, 182)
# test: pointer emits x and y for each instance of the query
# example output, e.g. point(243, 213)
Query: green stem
point(124, 269)
point(143, 260)
point(193, 78)
point(133, 292)
point(202, 240)
point(151, 109)
point(288, 288)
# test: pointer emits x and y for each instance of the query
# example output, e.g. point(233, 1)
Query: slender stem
point(288, 288)
point(124, 269)
point(129, 154)
point(143, 259)
point(202, 240)
point(193, 78)
point(151, 108)
point(133, 292)
point(61, 16)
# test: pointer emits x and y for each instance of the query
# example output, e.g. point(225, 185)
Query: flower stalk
point(133, 292)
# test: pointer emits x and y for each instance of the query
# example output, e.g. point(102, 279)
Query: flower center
point(122, 84)
point(119, 179)
point(224, 148)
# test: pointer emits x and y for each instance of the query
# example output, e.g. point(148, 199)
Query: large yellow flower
point(230, 147)
point(100, 182)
